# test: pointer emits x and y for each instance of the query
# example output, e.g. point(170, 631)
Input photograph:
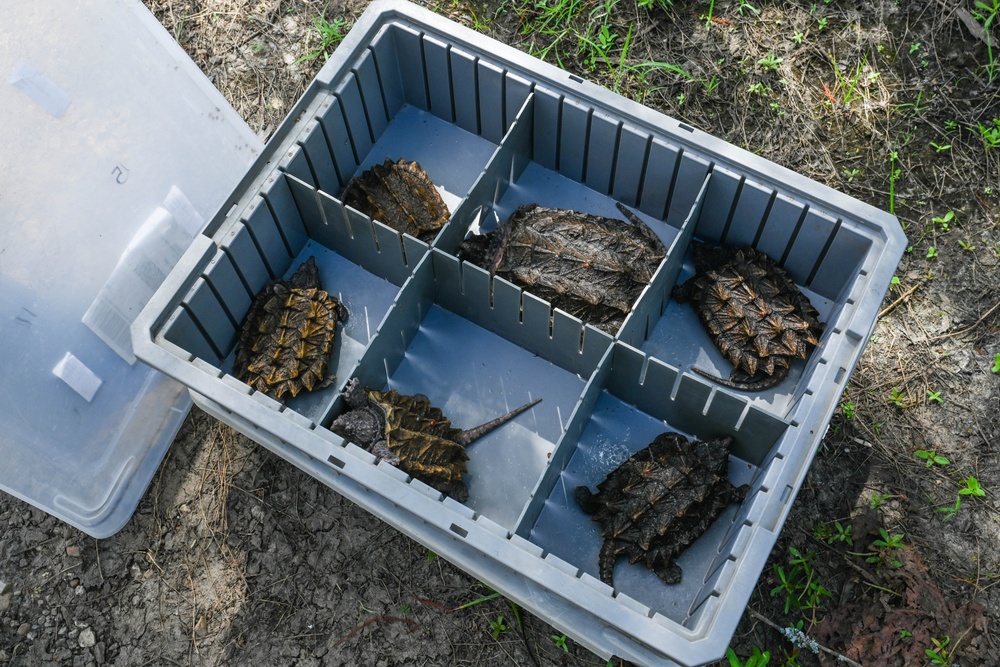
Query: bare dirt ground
point(235, 557)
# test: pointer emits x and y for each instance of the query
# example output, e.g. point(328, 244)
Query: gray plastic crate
point(494, 129)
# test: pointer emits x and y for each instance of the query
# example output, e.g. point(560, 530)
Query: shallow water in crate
point(452, 157)
point(615, 432)
point(473, 375)
point(366, 297)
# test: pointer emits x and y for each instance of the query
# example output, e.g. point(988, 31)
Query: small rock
point(74, 582)
point(73, 551)
point(23, 629)
point(201, 626)
point(4, 587)
point(87, 638)
point(5, 600)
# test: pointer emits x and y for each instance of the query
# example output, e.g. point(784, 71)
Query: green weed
point(834, 532)
point(945, 220)
point(878, 499)
point(931, 458)
point(847, 407)
point(990, 135)
point(897, 397)
point(894, 175)
point(883, 551)
point(934, 397)
point(996, 363)
point(950, 510)
point(940, 148)
point(770, 62)
point(932, 252)
point(498, 626)
point(560, 641)
point(757, 659)
point(798, 584)
point(939, 655)
point(971, 487)
point(331, 33)
point(987, 14)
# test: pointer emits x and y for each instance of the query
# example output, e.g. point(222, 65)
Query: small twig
point(906, 295)
point(962, 332)
point(392, 619)
point(775, 626)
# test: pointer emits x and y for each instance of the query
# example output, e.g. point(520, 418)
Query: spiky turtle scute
point(757, 317)
point(401, 195)
point(659, 501)
point(287, 337)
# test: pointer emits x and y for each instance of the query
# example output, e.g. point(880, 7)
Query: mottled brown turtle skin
point(287, 337)
point(658, 502)
point(400, 195)
point(589, 266)
point(752, 311)
point(408, 432)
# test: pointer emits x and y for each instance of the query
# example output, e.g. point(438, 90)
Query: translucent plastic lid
point(115, 150)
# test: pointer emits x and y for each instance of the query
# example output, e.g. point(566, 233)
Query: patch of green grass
point(894, 174)
point(331, 33)
point(757, 659)
point(987, 14)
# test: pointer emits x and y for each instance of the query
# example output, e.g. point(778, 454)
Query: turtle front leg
point(382, 452)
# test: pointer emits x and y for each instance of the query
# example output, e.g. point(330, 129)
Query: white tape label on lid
point(42, 90)
point(75, 373)
point(149, 257)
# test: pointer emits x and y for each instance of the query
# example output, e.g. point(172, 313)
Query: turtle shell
point(659, 501)
point(407, 431)
point(400, 195)
point(758, 318)
point(287, 337)
point(589, 266)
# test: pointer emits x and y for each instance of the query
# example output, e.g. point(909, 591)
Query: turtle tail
point(471, 435)
point(755, 385)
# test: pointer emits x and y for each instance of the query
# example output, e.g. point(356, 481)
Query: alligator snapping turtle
point(408, 432)
point(590, 266)
point(401, 195)
point(287, 337)
point(753, 312)
point(659, 501)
